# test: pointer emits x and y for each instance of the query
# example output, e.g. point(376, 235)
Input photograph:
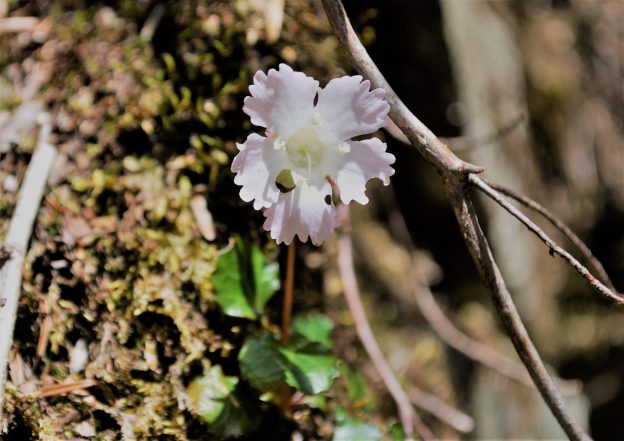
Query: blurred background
point(145, 99)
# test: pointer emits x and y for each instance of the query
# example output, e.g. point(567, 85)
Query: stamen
point(317, 118)
point(344, 148)
point(309, 158)
point(297, 178)
point(278, 144)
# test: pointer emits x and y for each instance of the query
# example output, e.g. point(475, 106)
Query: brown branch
point(506, 309)
point(423, 139)
point(455, 173)
point(435, 406)
point(456, 339)
point(554, 248)
point(562, 227)
point(65, 388)
point(417, 289)
point(407, 415)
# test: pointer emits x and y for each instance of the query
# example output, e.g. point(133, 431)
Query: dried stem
point(554, 248)
point(17, 24)
point(435, 406)
point(455, 173)
point(417, 288)
point(16, 242)
point(65, 388)
point(462, 143)
point(408, 416)
point(442, 325)
point(506, 309)
point(289, 283)
point(423, 139)
point(457, 339)
point(563, 228)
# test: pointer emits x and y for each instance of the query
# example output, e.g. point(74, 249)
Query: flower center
point(305, 149)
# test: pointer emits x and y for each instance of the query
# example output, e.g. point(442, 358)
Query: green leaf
point(350, 429)
point(310, 373)
point(396, 432)
point(228, 280)
point(261, 363)
point(208, 393)
point(240, 416)
point(244, 280)
point(266, 278)
point(222, 404)
point(312, 329)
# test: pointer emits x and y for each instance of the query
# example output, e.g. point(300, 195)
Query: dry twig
point(455, 174)
point(10, 25)
point(65, 388)
point(16, 241)
point(457, 339)
point(554, 248)
point(563, 228)
point(416, 288)
point(408, 284)
point(407, 415)
point(461, 143)
point(435, 406)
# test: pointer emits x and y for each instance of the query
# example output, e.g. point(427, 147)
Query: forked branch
point(562, 227)
point(455, 174)
point(554, 248)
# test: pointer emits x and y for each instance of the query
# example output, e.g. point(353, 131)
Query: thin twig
point(460, 143)
point(65, 388)
point(435, 406)
point(442, 325)
point(554, 248)
point(17, 24)
point(370, 241)
point(506, 309)
point(468, 346)
point(416, 288)
point(455, 172)
point(407, 415)
point(289, 283)
point(421, 137)
point(563, 228)
point(16, 241)
point(473, 349)
point(415, 294)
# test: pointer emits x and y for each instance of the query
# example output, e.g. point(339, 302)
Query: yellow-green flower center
point(305, 149)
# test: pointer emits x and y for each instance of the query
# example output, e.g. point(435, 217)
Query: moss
point(116, 258)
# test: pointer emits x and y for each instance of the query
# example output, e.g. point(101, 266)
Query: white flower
point(306, 144)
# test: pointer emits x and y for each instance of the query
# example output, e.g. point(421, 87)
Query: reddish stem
point(288, 291)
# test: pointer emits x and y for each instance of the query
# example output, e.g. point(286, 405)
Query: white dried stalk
point(16, 242)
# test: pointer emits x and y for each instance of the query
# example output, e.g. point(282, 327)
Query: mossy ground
point(146, 99)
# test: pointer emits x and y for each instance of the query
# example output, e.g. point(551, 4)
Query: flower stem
point(288, 291)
